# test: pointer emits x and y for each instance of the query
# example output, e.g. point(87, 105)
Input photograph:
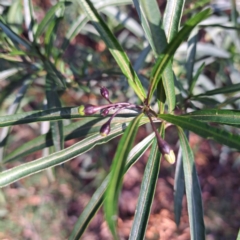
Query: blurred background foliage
point(47, 205)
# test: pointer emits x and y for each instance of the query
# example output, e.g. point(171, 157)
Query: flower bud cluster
point(90, 109)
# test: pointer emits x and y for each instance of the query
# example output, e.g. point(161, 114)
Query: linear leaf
point(218, 116)
point(29, 18)
point(97, 199)
point(53, 72)
point(117, 172)
point(48, 17)
point(238, 236)
point(45, 115)
point(114, 47)
point(204, 130)
point(172, 17)
point(150, 16)
point(227, 89)
point(79, 129)
point(53, 102)
point(179, 187)
point(82, 20)
point(191, 54)
point(195, 78)
point(147, 192)
point(39, 116)
point(13, 36)
point(14, 174)
point(11, 110)
point(123, 17)
point(169, 51)
point(193, 190)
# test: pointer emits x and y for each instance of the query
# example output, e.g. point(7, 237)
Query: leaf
point(117, 172)
point(13, 36)
point(172, 17)
point(11, 110)
point(169, 51)
point(195, 78)
point(29, 19)
point(191, 55)
point(14, 174)
point(39, 116)
point(238, 236)
point(114, 47)
point(179, 187)
point(82, 128)
point(147, 192)
point(150, 16)
point(53, 102)
point(204, 130)
point(82, 20)
point(97, 199)
point(217, 116)
point(123, 17)
point(56, 76)
point(226, 89)
point(193, 191)
point(48, 18)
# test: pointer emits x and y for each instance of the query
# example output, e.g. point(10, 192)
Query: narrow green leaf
point(161, 97)
point(39, 116)
point(147, 192)
point(169, 51)
point(46, 115)
point(150, 16)
point(49, 36)
point(29, 19)
point(204, 130)
point(55, 75)
point(127, 21)
point(82, 20)
point(195, 78)
point(11, 110)
point(168, 83)
point(191, 54)
point(179, 187)
point(114, 47)
point(82, 128)
point(97, 199)
point(14, 16)
point(193, 190)
point(172, 18)
point(13, 36)
point(117, 172)
point(217, 116)
point(14, 174)
point(171, 23)
point(238, 236)
point(53, 102)
point(227, 89)
point(209, 102)
point(48, 18)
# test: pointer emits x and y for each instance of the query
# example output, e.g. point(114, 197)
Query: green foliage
point(37, 66)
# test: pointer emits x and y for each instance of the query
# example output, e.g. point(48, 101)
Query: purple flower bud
point(88, 109)
point(165, 149)
point(104, 92)
point(105, 112)
point(105, 129)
